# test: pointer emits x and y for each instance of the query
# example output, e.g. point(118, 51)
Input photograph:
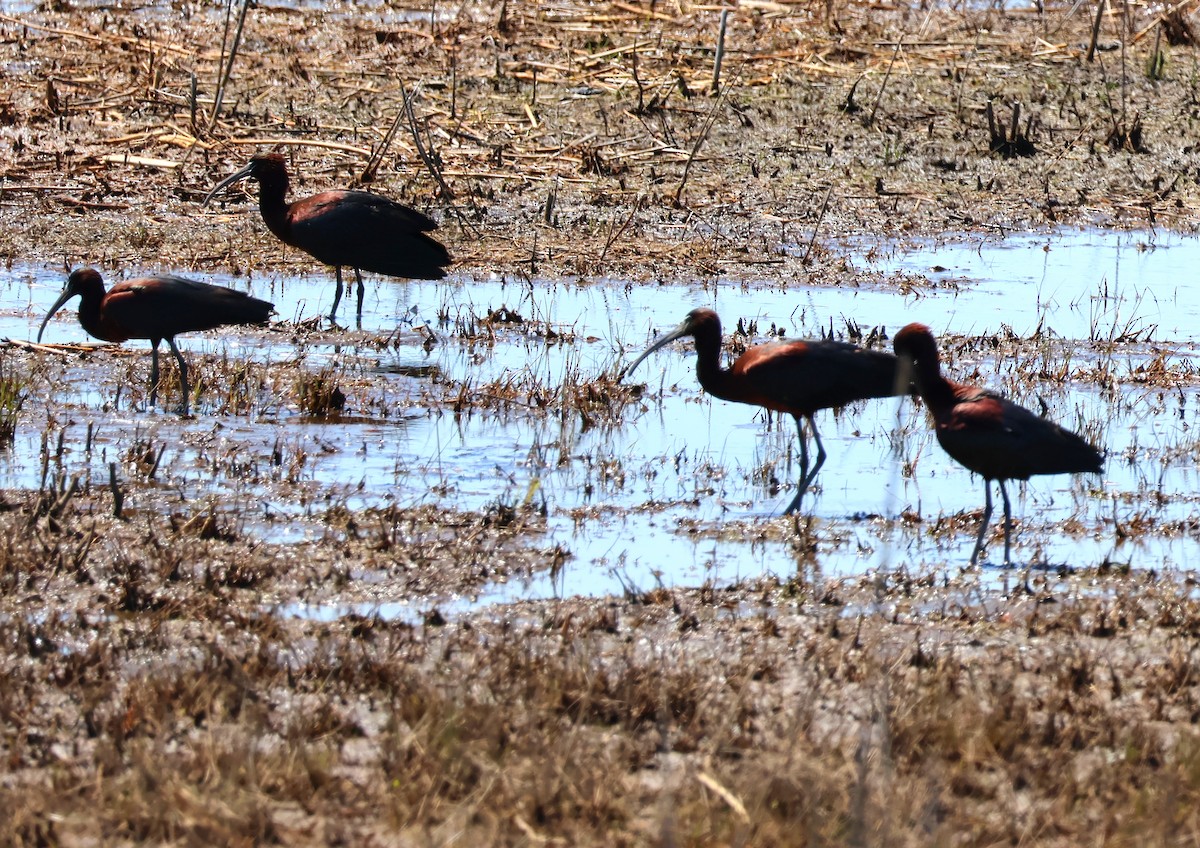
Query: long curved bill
point(228, 181)
point(678, 333)
point(66, 295)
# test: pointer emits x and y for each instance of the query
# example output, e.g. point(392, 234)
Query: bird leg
point(987, 517)
point(337, 292)
point(361, 289)
point(795, 504)
point(806, 476)
point(812, 475)
point(153, 370)
point(183, 381)
point(1007, 522)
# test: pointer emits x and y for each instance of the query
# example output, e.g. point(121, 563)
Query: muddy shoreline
point(160, 685)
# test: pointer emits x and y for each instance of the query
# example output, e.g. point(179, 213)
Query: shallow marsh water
point(678, 491)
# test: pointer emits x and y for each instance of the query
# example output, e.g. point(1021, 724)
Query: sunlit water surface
point(676, 494)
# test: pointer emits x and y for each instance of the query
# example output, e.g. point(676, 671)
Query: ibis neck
point(935, 390)
point(92, 321)
point(713, 378)
point(272, 191)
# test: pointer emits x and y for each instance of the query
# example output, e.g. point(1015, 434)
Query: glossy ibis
point(358, 229)
point(989, 434)
point(797, 377)
point(156, 308)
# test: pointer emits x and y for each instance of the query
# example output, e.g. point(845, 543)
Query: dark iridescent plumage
point(156, 308)
point(799, 378)
point(989, 434)
point(357, 229)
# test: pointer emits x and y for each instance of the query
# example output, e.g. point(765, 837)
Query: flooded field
point(442, 578)
point(676, 489)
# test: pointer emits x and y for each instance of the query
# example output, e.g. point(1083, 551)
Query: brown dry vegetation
point(156, 690)
point(172, 702)
point(584, 139)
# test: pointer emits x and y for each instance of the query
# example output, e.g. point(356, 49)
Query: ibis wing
point(362, 230)
point(805, 376)
point(162, 307)
point(999, 439)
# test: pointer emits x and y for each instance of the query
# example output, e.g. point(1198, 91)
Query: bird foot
point(794, 506)
point(182, 410)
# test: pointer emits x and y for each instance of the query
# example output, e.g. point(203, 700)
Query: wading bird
point(357, 229)
point(799, 377)
point(156, 308)
point(989, 434)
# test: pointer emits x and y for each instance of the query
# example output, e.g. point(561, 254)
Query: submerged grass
point(833, 712)
point(319, 394)
point(170, 693)
point(159, 685)
point(14, 390)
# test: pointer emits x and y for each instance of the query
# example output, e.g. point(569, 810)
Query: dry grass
point(158, 686)
point(179, 709)
point(576, 140)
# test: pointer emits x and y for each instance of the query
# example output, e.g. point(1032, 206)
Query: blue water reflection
point(684, 489)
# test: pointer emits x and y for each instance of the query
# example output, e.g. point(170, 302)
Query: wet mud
point(441, 576)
